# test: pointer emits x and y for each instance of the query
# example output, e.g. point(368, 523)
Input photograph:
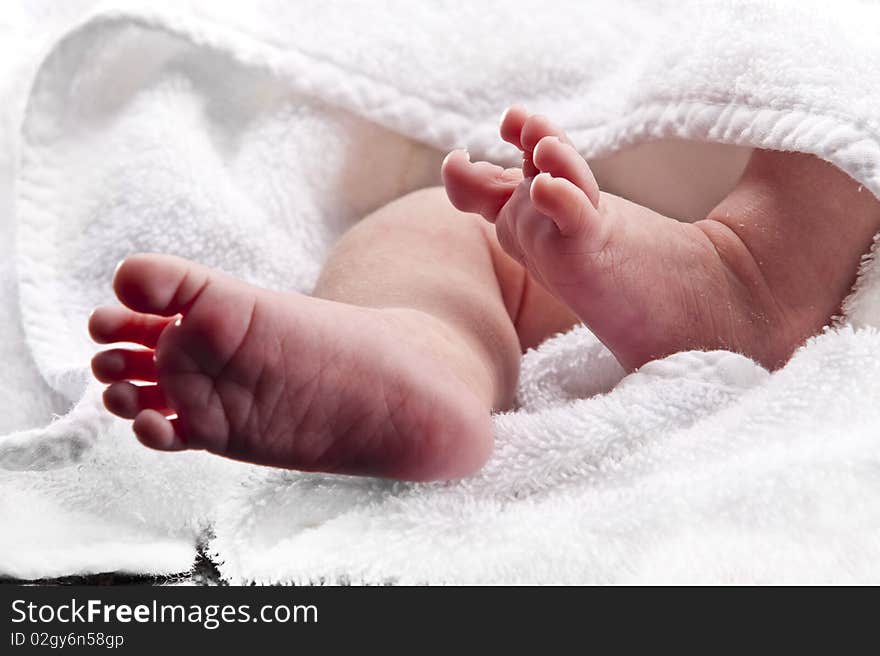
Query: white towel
point(250, 138)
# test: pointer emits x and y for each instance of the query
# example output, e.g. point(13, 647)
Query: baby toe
point(159, 284)
point(157, 432)
point(123, 364)
point(512, 122)
point(478, 187)
point(565, 203)
point(536, 128)
point(127, 400)
point(115, 323)
point(561, 160)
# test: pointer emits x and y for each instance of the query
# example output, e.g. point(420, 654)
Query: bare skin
point(390, 369)
point(765, 270)
point(414, 332)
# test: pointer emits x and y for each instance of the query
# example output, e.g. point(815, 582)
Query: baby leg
point(765, 270)
point(413, 335)
point(420, 253)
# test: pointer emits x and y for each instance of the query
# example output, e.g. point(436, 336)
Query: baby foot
point(283, 379)
point(645, 284)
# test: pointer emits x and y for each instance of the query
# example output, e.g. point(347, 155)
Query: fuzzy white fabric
point(250, 138)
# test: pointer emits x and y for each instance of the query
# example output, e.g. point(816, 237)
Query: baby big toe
point(159, 284)
point(561, 160)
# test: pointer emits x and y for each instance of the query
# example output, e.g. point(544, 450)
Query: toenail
point(544, 139)
point(537, 148)
point(451, 153)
